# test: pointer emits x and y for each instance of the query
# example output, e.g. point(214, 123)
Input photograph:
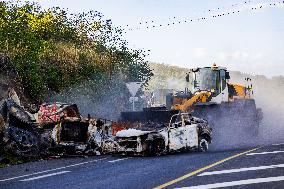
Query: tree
point(52, 50)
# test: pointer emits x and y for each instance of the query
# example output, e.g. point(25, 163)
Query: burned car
point(56, 128)
point(64, 130)
point(20, 130)
point(181, 132)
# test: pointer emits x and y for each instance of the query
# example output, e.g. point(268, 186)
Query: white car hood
point(131, 132)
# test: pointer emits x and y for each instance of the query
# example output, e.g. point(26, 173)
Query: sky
point(250, 41)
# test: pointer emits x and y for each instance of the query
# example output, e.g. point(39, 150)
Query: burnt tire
point(155, 148)
point(203, 145)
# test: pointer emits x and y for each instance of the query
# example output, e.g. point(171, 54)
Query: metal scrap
point(57, 128)
point(183, 132)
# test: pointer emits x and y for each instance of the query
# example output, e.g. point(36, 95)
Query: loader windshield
point(205, 79)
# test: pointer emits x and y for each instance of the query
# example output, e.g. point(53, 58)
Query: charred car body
point(176, 132)
point(57, 128)
point(64, 129)
point(20, 131)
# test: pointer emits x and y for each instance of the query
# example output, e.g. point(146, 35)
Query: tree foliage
point(52, 50)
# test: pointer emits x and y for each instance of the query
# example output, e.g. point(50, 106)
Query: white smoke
point(268, 94)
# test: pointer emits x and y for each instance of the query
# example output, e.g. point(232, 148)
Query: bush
point(52, 50)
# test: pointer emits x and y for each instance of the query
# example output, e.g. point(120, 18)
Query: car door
point(177, 135)
point(191, 135)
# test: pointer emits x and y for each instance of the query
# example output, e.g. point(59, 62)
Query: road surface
point(257, 167)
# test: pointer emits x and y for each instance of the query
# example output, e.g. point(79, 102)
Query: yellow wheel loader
point(229, 108)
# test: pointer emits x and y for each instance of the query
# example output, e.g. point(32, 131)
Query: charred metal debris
point(55, 129)
point(59, 129)
point(163, 132)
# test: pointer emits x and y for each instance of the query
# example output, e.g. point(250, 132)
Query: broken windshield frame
point(181, 117)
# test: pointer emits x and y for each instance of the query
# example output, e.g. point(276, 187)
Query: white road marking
point(116, 160)
point(36, 173)
point(236, 183)
point(241, 170)
point(43, 176)
point(278, 144)
point(263, 153)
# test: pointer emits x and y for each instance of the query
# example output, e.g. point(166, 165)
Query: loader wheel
point(203, 145)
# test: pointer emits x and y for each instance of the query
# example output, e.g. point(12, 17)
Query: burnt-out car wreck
point(56, 128)
point(176, 132)
point(59, 129)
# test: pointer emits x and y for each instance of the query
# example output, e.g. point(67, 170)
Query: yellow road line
point(202, 169)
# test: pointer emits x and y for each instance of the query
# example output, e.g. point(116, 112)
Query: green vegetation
point(51, 50)
point(10, 159)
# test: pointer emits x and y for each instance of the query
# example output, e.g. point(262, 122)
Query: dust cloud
point(268, 95)
point(106, 103)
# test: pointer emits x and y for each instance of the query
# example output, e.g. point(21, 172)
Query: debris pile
point(180, 133)
point(55, 128)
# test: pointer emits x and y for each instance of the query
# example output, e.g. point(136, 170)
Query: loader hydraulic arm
point(187, 105)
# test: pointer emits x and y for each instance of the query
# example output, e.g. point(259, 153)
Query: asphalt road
point(246, 168)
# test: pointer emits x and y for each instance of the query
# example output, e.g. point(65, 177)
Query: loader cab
point(212, 79)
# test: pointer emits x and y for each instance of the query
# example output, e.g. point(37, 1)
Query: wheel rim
point(203, 145)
